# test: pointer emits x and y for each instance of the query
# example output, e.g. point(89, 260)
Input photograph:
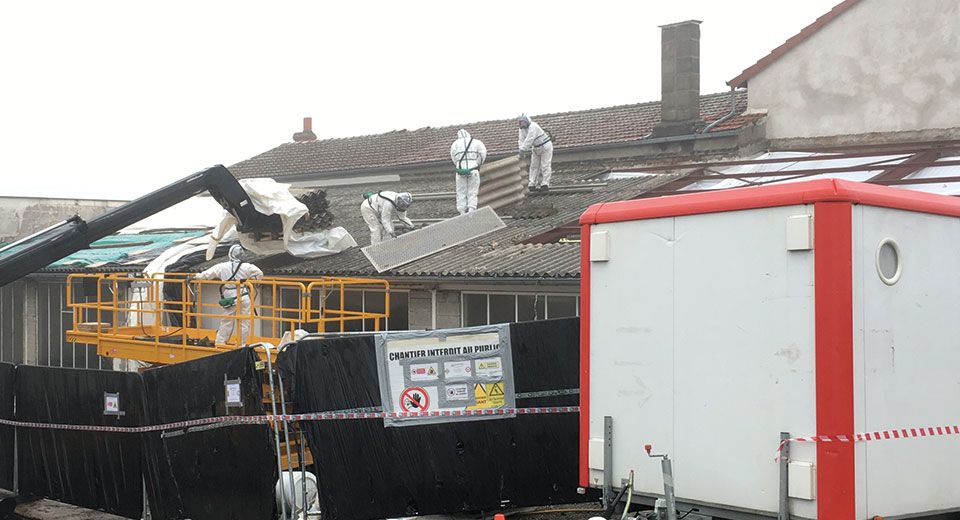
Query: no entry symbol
point(414, 400)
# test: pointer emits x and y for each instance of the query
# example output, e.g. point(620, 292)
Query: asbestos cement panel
point(432, 239)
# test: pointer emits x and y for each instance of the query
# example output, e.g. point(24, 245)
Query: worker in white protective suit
point(379, 209)
point(539, 144)
point(467, 154)
point(234, 270)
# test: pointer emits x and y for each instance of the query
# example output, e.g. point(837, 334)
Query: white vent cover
point(432, 239)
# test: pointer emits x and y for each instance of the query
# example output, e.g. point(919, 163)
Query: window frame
point(516, 303)
point(363, 305)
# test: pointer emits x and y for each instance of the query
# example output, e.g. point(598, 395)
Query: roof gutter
point(433, 279)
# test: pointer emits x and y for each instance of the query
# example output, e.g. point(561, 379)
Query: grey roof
point(582, 128)
point(501, 254)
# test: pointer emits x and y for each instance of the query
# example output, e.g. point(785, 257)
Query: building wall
point(33, 324)
point(883, 66)
point(21, 216)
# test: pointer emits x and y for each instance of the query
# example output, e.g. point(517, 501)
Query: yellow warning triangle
point(496, 389)
point(479, 390)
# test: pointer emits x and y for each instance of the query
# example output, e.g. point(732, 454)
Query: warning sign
point(414, 400)
point(457, 370)
point(424, 372)
point(449, 370)
point(111, 404)
point(490, 368)
point(458, 393)
point(488, 396)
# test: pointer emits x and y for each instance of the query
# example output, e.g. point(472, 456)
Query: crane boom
point(74, 234)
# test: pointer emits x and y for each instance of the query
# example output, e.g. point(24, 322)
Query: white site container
point(711, 322)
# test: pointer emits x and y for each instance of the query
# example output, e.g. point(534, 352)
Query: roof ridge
point(487, 121)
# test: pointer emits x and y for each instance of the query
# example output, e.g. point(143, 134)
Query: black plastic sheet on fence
point(368, 471)
point(7, 372)
point(223, 473)
point(95, 470)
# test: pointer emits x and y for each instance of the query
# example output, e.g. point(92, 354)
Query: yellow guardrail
point(149, 318)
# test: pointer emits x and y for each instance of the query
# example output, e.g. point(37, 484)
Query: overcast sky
point(111, 99)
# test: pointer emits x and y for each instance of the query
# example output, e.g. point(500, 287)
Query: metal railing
point(136, 310)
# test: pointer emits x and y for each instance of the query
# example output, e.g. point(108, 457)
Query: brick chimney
point(679, 79)
point(307, 133)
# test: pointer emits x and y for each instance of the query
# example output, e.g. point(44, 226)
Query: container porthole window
point(889, 261)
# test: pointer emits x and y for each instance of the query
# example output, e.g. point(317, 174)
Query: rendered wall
point(702, 344)
point(882, 66)
point(906, 358)
point(21, 216)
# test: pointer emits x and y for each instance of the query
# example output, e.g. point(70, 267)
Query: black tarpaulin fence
point(223, 473)
point(7, 374)
point(228, 470)
point(95, 470)
point(82, 440)
point(366, 470)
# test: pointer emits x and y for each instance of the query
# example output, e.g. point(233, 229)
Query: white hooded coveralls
point(378, 212)
point(223, 271)
point(467, 154)
point(534, 140)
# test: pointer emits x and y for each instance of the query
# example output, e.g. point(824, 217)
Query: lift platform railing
point(319, 291)
point(150, 318)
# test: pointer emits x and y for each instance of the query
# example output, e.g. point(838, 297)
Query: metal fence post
point(16, 451)
point(147, 514)
point(784, 511)
point(607, 460)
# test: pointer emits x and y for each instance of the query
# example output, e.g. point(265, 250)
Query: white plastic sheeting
point(273, 198)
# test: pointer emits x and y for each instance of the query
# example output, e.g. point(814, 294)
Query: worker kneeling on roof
point(538, 143)
point(378, 210)
point(467, 154)
point(234, 270)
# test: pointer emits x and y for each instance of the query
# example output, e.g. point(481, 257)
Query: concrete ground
point(47, 509)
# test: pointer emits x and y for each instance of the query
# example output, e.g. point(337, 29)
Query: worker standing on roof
point(467, 154)
point(539, 144)
point(379, 208)
point(234, 270)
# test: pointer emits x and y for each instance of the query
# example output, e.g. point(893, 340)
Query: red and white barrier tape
point(884, 435)
point(319, 416)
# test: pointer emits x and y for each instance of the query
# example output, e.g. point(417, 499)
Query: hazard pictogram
point(414, 399)
point(496, 389)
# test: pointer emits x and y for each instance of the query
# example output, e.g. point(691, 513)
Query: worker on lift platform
point(233, 270)
point(379, 208)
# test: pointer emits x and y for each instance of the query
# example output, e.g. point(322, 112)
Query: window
point(492, 308)
point(370, 301)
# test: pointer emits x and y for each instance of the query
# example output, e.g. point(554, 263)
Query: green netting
point(125, 247)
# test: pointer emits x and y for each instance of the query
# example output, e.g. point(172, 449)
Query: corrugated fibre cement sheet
point(432, 239)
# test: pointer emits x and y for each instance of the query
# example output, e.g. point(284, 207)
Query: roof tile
point(618, 124)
